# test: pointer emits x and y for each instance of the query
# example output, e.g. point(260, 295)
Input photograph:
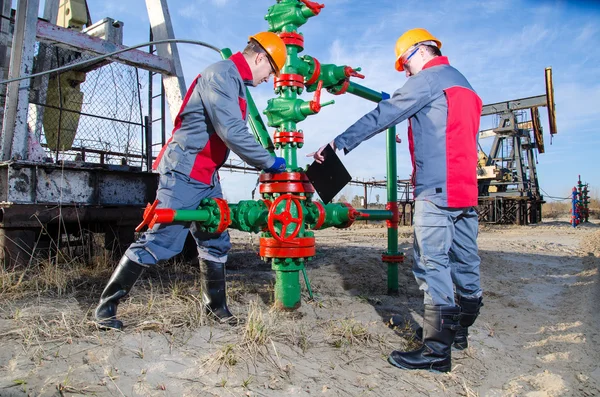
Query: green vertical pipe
point(287, 289)
point(256, 123)
point(392, 197)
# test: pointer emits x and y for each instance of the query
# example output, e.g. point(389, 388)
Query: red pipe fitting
point(322, 215)
point(288, 137)
point(316, 73)
point(393, 223)
point(289, 80)
point(225, 214)
point(350, 72)
point(342, 90)
point(313, 6)
point(392, 258)
point(300, 247)
point(285, 182)
point(291, 38)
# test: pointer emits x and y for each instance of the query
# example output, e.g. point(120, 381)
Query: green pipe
point(256, 123)
point(392, 196)
point(364, 92)
point(248, 216)
point(287, 282)
point(199, 215)
point(374, 215)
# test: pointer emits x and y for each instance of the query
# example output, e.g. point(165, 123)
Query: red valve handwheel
point(285, 217)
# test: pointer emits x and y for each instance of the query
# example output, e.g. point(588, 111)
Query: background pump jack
point(509, 191)
point(75, 187)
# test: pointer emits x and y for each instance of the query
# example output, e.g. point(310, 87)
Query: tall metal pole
point(162, 28)
point(392, 193)
point(14, 126)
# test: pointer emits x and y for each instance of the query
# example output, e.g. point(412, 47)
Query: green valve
point(289, 15)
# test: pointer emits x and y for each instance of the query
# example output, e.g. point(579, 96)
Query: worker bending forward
point(211, 122)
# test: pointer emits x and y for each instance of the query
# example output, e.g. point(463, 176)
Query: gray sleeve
point(221, 102)
point(405, 102)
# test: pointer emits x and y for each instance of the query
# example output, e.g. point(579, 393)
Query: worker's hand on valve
point(318, 155)
point(279, 165)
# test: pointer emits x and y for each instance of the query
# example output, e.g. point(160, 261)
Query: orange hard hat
point(409, 39)
point(275, 48)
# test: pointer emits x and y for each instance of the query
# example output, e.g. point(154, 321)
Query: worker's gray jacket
point(212, 120)
point(444, 114)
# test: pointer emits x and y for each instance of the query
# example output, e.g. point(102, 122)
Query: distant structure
point(509, 191)
point(580, 211)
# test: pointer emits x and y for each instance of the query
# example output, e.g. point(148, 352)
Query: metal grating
point(92, 114)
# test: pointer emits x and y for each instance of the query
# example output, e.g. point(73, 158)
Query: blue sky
point(502, 47)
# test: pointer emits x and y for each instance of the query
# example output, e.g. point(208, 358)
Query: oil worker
point(210, 123)
point(443, 113)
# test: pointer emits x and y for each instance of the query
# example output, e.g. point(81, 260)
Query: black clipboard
point(328, 177)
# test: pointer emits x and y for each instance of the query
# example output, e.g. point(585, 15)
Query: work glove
point(277, 167)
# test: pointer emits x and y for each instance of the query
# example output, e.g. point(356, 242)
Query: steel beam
point(81, 42)
point(39, 183)
point(39, 85)
point(14, 126)
point(5, 45)
point(517, 104)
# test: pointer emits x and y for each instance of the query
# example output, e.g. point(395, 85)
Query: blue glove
point(278, 166)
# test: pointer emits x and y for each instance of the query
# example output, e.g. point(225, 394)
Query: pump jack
point(509, 191)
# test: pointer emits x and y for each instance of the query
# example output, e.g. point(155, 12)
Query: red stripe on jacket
point(464, 113)
point(177, 125)
point(214, 153)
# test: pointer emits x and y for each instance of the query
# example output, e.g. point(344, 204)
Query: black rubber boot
point(119, 285)
point(469, 312)
point(439, 326)
point(214, 290)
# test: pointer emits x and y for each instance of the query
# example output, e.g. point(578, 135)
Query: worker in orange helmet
point(443, 113)
point(211, 122)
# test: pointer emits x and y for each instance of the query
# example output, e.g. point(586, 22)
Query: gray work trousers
point(445, 252)
point(179, 192)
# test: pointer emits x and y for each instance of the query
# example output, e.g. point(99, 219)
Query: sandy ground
point(538, 333)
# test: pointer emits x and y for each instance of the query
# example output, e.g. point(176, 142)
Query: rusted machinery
point(509, 191)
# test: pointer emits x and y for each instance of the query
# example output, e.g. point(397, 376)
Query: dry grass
point(50, 303)
point(406, 331)
point(555, 209)
point(348, 332)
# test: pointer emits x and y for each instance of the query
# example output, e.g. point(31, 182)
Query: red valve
point(315, 104)
point(313, 6)
point(148, 215)
point(285, 217)
point(350, 72)
point(152, 216)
